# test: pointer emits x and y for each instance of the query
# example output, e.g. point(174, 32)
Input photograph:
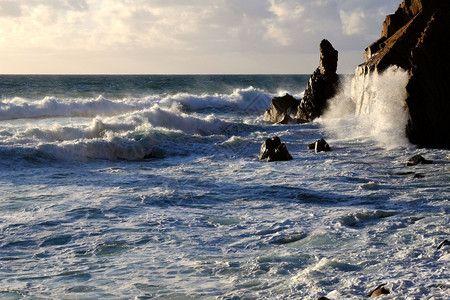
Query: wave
point(129, 128)
point(247, 100)
point(153, 132)
point(385, 123)
point(18, 108)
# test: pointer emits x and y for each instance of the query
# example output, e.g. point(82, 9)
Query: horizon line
point(155, 74)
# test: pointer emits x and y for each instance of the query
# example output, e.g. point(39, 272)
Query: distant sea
point(149, 187)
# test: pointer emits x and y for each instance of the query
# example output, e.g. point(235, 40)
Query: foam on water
point(250, 99)
point(84, 215)
point(18, 108)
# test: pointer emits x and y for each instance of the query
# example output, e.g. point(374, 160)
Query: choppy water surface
point(139, 187)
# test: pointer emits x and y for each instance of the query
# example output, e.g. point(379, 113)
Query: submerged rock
point(418, 159)
point(281, 109)
point(323, 85)
point(319, 146)
point(380, 290)
point(415, 39)
point(443, 243)
point(273, 150)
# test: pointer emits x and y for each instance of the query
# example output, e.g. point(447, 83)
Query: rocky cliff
point(415, 39)
point(323, 85)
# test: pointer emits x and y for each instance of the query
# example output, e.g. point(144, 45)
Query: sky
point(184, 36)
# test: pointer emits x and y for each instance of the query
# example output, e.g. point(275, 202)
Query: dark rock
point(281, 109)
point(323, 85)
point(149, 156)
point(319, 146)
point(273, 150)
point(443, 243)
point(322, 298)
point(268, 147)
point(418, 159)
point(287, 119)
point(428, 88)
point(419, 176)
point(415, 39)
point(380, 290)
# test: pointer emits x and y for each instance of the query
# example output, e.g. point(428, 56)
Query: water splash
point(384, 116)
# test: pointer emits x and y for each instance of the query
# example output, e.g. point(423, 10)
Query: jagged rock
point(428, 88)
point(415, 39)
point(418, 159)
point(273, 150)
point(380, 290)
point(319, 146)
point(281, 109)
point(323, 85)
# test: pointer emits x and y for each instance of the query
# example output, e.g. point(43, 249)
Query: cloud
point(156, 31)
point(353, 22)
point(10, 9)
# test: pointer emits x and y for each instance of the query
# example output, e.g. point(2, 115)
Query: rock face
point(414, 39)
point(428, 90)
point(282, 110)
point(273, 150)
point(323, 85)
point(319, 146)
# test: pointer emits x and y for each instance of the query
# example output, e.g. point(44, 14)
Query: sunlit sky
point(184, 36)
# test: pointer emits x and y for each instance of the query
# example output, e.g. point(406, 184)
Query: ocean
point(149, 187)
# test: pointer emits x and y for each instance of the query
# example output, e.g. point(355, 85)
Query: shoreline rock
point(418, 159)
point(378, 291)
point(282, 110)
point(274, 150)
point(324, 84)
point(414, 39)
point(319, 146)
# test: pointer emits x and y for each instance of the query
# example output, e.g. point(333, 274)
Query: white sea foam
point(176, 120)
point(129, 136)
point(18, 108)
point(249, 99)
point(210, 220)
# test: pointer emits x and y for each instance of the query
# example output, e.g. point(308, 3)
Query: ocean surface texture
point(149, 187)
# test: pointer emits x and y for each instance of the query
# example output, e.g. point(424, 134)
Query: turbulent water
point(142, 187)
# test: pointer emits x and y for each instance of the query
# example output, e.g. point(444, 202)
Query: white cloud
point(353, 22)
point(286, 9)
point(153, 32)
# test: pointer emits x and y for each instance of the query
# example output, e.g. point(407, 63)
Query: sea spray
point(384, 119)
point(388, 116)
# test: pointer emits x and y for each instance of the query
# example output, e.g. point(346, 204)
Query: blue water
point(142, 187)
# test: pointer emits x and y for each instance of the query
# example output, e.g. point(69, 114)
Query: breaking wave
point(249, 100)
point(384, 122)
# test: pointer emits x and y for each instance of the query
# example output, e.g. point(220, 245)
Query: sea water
point(142, 187)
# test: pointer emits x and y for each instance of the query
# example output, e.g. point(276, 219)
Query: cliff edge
point(414, 38)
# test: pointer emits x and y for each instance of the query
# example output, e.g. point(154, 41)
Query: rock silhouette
point(274, 150)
